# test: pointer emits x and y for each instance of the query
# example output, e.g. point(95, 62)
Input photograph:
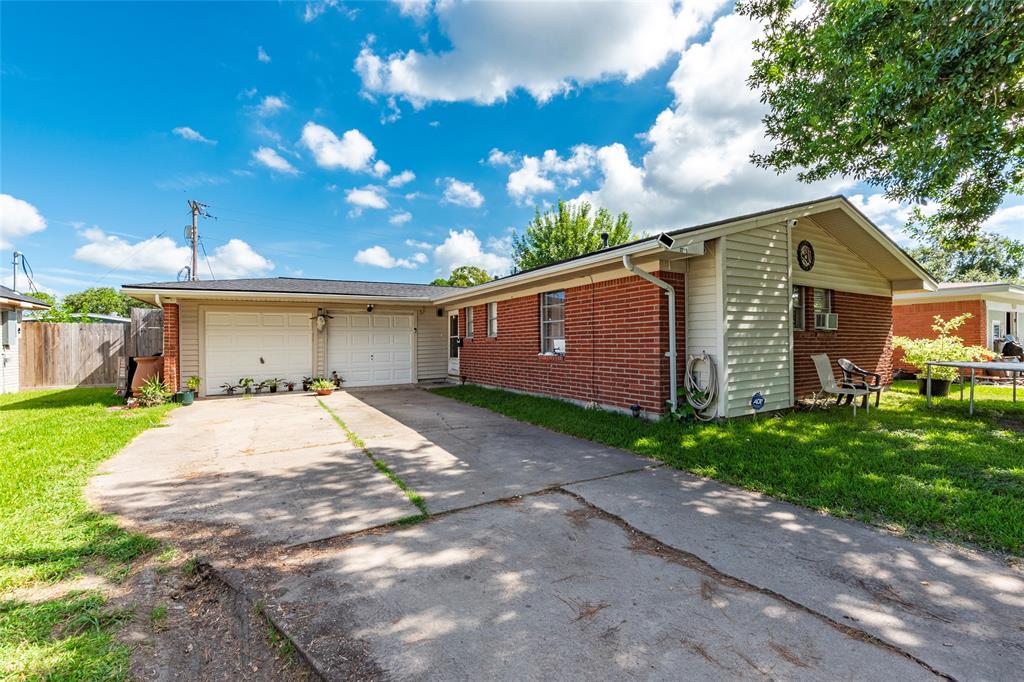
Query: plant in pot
point(336, 379)
point(229, 388)
point(191, 389)
point(306, 381)
point(322, 386)
point(290, 385)
point(272, 384)
point(946, 347)
point(260, 386)
point(152, 392)
point(246, 384)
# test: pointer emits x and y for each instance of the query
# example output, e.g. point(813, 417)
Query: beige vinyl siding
point(431, 345)
point(9, 367)
point(835, 266)
point(704, 307)
point(188, 339)
point(757, 302)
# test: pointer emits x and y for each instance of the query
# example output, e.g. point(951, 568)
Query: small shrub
point(193, 383)
point(946, 347)
point(322, 384)
point(153, 392)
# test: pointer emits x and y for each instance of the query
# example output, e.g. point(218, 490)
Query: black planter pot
point(273, 389)
point(940, 387)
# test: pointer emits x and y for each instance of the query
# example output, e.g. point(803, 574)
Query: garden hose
point(701, 398)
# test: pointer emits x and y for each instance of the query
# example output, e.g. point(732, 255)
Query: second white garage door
point(371, 349)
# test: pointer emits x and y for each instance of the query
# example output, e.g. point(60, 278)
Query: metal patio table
point(1016, 368)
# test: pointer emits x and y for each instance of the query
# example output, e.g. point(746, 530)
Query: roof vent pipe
point(627, 263)
point(604, 240)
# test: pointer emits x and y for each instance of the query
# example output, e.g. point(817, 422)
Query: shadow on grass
point(62, 398)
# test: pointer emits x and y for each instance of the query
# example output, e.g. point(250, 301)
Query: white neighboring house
point(12, 305)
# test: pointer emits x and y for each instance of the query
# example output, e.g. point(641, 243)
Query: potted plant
point(260, 386)
point(152, 392)
point(191, 389)
point(290, 385)
point(322, 386)
point(229, 388)
point(946, 347)
point(246, 384)
point(272, 384)
point(336, 379)
point(306, 381)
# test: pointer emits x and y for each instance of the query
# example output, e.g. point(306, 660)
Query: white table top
point(1001, 366)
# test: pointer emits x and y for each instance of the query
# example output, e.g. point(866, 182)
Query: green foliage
point(193, 383)
point(937, 471)
point(567, 231)
point(921, 99)
point(946, 347)
point(102, 301)
point(464, 276)
point(152, 392)
point(322, 384)
point(993, 258)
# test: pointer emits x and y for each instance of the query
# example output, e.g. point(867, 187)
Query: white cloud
point(498, 158)
point(165, 256)
point(366, 197)
point(418, 244)
point(539, 175)
point(262, 55)
point(265, 156)
point(192, 135)
point(402, 178)
point(698, 165)
point(380, 257)
point(889, 215)
point(270, 105)
point(315, 8)
point(400, 218)
point(464, 248)
point(17, 219)
point(543, 48)
point(461, 194)
point(1009, 219)
point(417, 9)
point(380, 169)
point(352, 151)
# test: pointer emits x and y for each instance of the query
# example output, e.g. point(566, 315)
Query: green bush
point(947, 347)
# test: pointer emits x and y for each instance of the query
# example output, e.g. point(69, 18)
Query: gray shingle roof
point(296, 285)
point(14, 295)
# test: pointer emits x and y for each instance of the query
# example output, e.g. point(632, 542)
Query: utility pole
point(196, 211)
point(14, 267)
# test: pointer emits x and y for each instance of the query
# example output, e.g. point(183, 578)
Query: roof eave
point(149, 294)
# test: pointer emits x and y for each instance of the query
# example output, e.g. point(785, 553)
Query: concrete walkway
point(549, 556)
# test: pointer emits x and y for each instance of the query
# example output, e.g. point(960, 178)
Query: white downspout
point(628, 264)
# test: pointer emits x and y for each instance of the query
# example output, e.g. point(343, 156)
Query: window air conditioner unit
point(826, 321)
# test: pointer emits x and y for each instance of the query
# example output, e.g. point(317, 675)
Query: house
point(759, 294)
point(12, 305)
point(996, 308)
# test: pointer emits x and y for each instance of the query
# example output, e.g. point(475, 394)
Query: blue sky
point(368, 141)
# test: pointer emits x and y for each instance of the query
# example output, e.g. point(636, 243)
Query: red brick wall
point(616, 335)
point(915, 321)
point(864, 337)
point(172, 353)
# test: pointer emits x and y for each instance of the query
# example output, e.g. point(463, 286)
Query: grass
point(50, 443)
point(933, 471)
point(382, 466)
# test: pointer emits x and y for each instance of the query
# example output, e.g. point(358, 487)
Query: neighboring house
point(12, 305)
point(759, 293)
point(996, 309)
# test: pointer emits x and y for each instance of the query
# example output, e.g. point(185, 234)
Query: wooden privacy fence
point(55, 354)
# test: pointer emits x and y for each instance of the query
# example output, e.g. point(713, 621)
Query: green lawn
point(50, 443)
point(934, 471)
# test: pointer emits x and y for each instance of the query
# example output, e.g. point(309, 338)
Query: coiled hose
point(701, 398)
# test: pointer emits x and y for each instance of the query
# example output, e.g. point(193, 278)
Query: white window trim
point(543, 307)
point(799, 319)
point(492, 319)
point(469, 322)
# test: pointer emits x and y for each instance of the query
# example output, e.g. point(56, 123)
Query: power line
point(209, 267)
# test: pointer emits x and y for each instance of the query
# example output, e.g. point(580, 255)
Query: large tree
point(464, 276)
point(101, 301)
point(924, 99)
point(993, 258)
point(566, 231)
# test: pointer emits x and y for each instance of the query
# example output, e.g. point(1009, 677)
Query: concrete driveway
point(547, 556)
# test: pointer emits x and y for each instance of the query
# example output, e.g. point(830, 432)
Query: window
point(552, 323)
point(469, 322)
point(799, 309)
point(492, 318)
point(822, 301)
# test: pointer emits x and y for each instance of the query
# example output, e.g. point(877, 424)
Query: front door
point(453, 343)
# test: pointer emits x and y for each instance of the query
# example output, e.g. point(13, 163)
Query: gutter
point(627, 263)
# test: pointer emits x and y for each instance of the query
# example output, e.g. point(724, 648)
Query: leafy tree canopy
point(464, 276)
point(922, 99)
point(102, 301)
point(993, 258)
point(567, 231)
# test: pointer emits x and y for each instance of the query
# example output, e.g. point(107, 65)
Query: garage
point(371, 349)
point(261, 345)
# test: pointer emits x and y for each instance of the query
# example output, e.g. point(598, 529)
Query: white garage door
point(261, 345)
point(370, 349)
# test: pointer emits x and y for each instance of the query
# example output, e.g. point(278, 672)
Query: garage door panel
point(371, 349)
point(256, 344)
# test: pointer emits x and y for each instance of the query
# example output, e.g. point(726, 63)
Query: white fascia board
point(25, 305)
point(208, 294)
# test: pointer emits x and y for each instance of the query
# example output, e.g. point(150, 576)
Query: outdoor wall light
point(369, 308)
